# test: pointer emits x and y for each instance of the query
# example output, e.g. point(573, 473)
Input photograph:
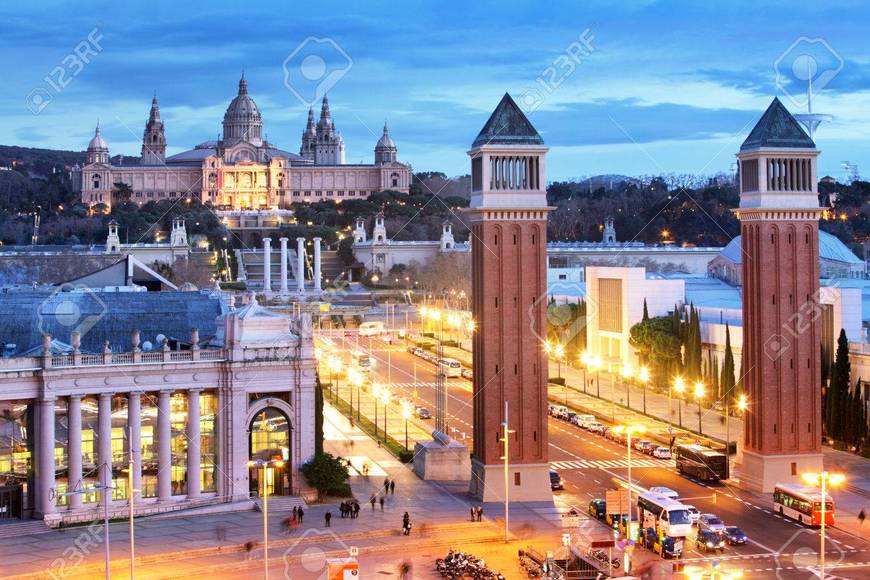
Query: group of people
point(476, 513)
point(295, 520)
point(349, 509)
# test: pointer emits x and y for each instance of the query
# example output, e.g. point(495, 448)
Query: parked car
point(710, 541)
point(596, 428)
point(584, 420)
point(555, 481)
point(694, 513)
point(422, 413)
point(556, 410)
point(712, 523)
point(641, 444)
point(734, 535)
point(468, 374)
point(597, 509)
point(664, 492)
point(661, 452)
point(568, 416)
point(412, 349)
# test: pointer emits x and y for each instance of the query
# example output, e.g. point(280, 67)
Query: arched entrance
point(269, 438)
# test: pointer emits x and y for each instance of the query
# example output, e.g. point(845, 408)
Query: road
point(589, 464)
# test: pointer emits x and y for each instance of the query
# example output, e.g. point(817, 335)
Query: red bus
point(803, 504)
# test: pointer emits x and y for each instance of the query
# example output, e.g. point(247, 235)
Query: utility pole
point(506, 458)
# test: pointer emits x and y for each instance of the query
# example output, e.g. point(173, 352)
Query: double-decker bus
point(667, 516)
point(701, 462)
point(802, 503)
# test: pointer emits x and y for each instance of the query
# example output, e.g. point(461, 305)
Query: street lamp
point(559, 351)
point(265, 464)
point(643, 377)
point(679, 386)
point(823, 479)
point(741, 407)
point(627, 375)
point(699, 394)
point(596, 364)
point(385, 398)
point(406, 414)
point(376, 394)
point(629, 430)
point(106, 490)
point(584, 362)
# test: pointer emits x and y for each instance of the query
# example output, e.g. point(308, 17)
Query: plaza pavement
point(190, 545)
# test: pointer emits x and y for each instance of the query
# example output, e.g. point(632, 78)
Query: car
point(641, 444)
point(412, 349)
point(665, 546)
point(649, 448)
point(556, 410)
point(711, 522)
point(422, 413)
point(568, 416)
point(661, 452)
point(583, 420)
point(734, 535)
point(555, 481)
point(664, 492)
point(710, 541)
point(596, 428)
point(597, 509)
point(467, 374)
point(694, 513)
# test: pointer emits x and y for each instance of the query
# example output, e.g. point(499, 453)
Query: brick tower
point(508, 216)
point(779, 213)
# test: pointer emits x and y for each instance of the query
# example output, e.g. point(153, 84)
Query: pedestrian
point(327, 517)
point(249, 550)
point(387, 486)
point(300, 514)
point(392, 486)
point(406, 524)
point(381, 501)
point(295, 511)
point(480, 513)
point(861, 517)
point(356, 509)
point(342, 509)
point(372, 501)
point(221, 532)
point(473, 514)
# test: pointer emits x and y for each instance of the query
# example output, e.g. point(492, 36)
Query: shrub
point(327, 474)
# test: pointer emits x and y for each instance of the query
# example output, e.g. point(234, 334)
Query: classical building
point(380, 253)
point(508, 215)
point(183, 385)
point(242, 170)
point(779, 215)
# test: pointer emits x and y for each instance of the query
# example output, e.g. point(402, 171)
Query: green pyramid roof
point(507, 125)
point(777, 128)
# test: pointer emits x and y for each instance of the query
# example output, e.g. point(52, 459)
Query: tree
point(121, 192)
point(318, 415)
point(327, 474)
point(645, 311)
point(837, 398)
point(655, 342)
point(727, 381)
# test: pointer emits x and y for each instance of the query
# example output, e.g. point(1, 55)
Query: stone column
point(194, 457)
point(267, 265)
point(317, 285)
point(46, 466)
point(300, 264)
point(134, 421)
point(164, 448)
point(74, 455)
point(283, 265)
point(104, 442)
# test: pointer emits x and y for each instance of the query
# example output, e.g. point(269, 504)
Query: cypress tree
point(645, 311)
point(318, 416)
point(839, 389)
point(727, 381)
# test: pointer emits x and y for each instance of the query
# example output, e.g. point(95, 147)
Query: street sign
point(618, 501)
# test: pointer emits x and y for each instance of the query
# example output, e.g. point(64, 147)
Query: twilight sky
point(647, 88)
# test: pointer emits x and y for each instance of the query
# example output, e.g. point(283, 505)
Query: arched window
point(96, 181)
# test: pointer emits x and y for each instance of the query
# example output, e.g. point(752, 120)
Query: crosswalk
point(608, 464)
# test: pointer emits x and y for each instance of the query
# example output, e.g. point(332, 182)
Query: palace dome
point(243, 121)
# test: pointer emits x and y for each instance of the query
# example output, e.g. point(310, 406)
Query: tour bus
point(361, 360)
point(450, 367)
point(373, 328)
point(701, 462)
point(803, 504)
point(666, 516)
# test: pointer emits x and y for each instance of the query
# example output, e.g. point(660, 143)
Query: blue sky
point(653, 87)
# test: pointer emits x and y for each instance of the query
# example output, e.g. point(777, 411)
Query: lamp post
point(629, 431)
point(559, 351)
point(699, 394)
point(741, 407)
point(679, 386)
point(597, 364)
point(385, 399)
point(406, 414)
point(265, 464)
point(105, 491)
point(823, 479)
point(584, 362)
point(643, 377)
point(376, 394)
point(627, 375)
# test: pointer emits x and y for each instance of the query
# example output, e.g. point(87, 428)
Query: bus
point(667, 516)
point(701, 462)
point(802, 503)
point(373, 328)
point(450, 367)
point(361, 360)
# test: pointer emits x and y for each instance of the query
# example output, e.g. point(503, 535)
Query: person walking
point(381, 501)
point(327, 517)
point(473, 514)
point(249, 550)
point(355, 509)
point(387, 485)
point(480, 513)
point(861, 517)
point(406, 524)
point(372, 501)
point(295, 511)
point(392, 486)
point(300, 514)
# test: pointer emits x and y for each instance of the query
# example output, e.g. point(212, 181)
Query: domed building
point(242, 170)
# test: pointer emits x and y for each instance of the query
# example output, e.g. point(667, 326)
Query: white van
point(450, 367)
point(373, 328)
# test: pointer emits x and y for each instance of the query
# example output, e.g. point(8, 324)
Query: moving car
point(597, 509)
point(694, 513)
point(664, 492)
point(734, 535)
point(412, 349)
point(422, 413)
point(661, 452)
point(555, 481)
point(710, 541)
point(468, 374)
point(665, 546)
point(712, 523)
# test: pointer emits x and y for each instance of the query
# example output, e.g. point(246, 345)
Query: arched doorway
point(269, 438)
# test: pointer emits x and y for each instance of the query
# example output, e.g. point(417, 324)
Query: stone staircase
point(281, 503)
point(15, 528)
point(332, 266)
point(250, 262)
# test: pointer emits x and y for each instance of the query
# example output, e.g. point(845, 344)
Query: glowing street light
point(265, 464)
point(629, 430)
point(679, 386)
point(376, 395)
point(742, 404)
point(406, 414)
point(627, 373)
point(823, 480)
point(385, 399)
point(699, 394)
point(643, 377)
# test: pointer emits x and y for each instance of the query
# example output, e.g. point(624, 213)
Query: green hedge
point(557, 380)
